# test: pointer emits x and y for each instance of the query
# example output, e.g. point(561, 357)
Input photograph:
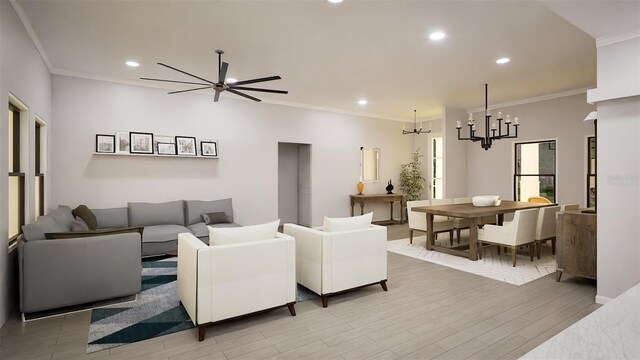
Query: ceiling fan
point(220, 85)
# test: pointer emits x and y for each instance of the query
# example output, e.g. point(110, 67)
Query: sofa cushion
point(147, 214)
point(112, 218)
point(87, 215)
point(92, 233)
point(36, 230)
point(200, 229)
point(215, 218)
point(223, 236)
point(347, 223)
point(62, 216)
point(194, 208)
point(160, 233)
point(79, 225)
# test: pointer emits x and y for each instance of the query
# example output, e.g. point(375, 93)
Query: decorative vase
point(360, 186)
point(389, 188)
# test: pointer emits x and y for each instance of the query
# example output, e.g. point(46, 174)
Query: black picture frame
point(209, 148)
point(162, 148)
point(186, 146)
point(140, 143)
point(105, 144)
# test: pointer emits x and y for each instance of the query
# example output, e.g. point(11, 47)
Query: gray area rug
point(156, 311)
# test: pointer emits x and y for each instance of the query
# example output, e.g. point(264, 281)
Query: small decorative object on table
point(486, 200)
point(360, 186)
point(389, 187)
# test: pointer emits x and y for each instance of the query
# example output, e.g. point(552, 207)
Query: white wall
point(491, 171)
point(618, 101)
point(248, 135)
point(24, 74)
point(456, 173)
point(288, 183)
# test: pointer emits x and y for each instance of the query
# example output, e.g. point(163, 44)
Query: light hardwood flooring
point(429, 312)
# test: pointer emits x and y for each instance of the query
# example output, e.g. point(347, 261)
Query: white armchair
point(521, 231)
point(331, 262)
point(462, 223)
point(546, 228)
point(221, 282)
point(418, 220)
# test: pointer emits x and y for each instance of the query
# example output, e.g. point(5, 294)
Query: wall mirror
point(370, 165)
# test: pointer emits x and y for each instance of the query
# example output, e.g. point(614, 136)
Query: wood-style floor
point(430, 311)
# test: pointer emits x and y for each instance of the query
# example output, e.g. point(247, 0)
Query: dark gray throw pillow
point(215, 218)
point(87, 215)
point(83, 234)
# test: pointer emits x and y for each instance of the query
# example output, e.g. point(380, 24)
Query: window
point(535, 170)
point(591, 171)
point(39, 147)
point(16, 176)
point(437, 169)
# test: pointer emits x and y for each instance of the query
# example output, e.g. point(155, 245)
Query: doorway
point(294, 183)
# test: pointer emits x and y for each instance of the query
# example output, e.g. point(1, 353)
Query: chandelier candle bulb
point(516, 123)
point(458, 125)
point(499, 115)
point(507, 120)
point(493, 126)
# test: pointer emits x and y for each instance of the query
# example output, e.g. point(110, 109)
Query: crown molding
point(614, 39)
point(531, 100)
point(32, 33)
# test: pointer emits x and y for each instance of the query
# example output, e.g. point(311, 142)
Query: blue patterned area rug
point(156, 310)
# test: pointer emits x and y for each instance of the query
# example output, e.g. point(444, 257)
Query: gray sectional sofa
point(103, 263)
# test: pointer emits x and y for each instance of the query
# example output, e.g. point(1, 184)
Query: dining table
point(473, 213)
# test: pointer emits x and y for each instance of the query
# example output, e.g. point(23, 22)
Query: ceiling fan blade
point(244, 95)
point(186, 73)
point(222, 74)
point(256, 89)
point(173, 81)
point(181, 91)
point(217, 97)
point(270, 78)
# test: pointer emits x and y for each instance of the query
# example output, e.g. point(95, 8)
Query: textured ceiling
point(329, 55)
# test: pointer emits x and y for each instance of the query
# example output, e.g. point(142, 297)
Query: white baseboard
point(602, 299)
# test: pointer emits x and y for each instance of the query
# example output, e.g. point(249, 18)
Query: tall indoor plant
point(411, 180)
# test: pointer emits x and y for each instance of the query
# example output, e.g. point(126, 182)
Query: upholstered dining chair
point(569, 207)
point(546, 228)
point(462, 223)
point(418, 220)
point(513, 234)
point(539, 199)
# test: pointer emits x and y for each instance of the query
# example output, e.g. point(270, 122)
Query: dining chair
point(546, 228)
point(462, 223)
point(569, 207)
point(418, 220)
point(539, 199)
point(513, 234)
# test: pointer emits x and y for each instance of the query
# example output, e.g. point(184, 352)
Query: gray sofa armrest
point(58, 273)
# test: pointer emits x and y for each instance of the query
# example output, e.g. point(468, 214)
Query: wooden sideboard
point(376, 198)
point(576, 244)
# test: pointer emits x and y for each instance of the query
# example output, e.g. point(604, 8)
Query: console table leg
point(352, 204)
point(391, 216)
point(361, 208)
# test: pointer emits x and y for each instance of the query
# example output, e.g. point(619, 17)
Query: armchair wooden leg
point(553, 245)
point(514, 253)
point(201, 331)
point(451, 237)
point(558, 275)
point(410, 236)
point(532, 249)
point(480, 250)
point(458, 235)
point(325, 300)
point(383, 283)
point(498, 250)
point(538, 248)
point(292, 309)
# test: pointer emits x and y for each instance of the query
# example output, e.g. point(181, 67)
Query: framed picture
point(105, 143)
point(186, 145)
point(122, 142)
point(163, 148)
point(140, 143)
point(208, 148)
point(157, 139)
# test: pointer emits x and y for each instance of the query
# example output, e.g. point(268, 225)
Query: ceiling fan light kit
point(487, 140)
point(415, 127)
point(220, 85)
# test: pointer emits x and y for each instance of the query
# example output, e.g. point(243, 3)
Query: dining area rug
point(492, 265)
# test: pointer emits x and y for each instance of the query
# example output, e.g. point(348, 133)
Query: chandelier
point(415, 127)
point(487, 139)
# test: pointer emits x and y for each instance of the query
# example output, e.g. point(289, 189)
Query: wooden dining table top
point(467, 210)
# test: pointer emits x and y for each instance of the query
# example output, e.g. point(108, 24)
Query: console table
point(376, 198)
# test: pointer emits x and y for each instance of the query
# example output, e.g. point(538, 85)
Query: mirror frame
point(362, 165)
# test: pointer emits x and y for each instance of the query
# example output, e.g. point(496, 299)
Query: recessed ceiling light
point(503, 60)
point(362, 102)
point(438, 35)
point(335, 1)
point(132, 64)
point(231, 80)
